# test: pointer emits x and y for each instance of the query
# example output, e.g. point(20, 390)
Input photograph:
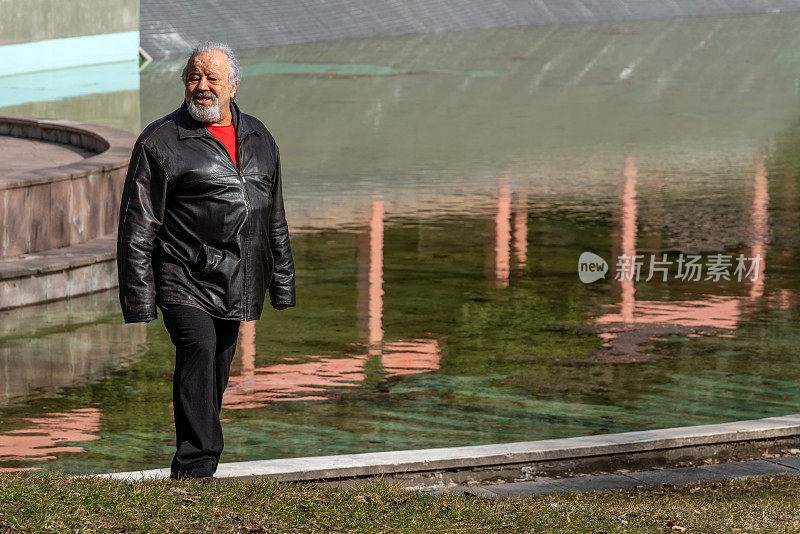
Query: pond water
point(440, 190)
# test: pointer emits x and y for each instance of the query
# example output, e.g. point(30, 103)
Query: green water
point(440, 190)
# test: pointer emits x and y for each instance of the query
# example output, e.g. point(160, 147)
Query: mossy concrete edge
point(714, 443)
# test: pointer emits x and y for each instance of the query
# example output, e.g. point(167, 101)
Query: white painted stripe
point(68, 52)
point(52, 85)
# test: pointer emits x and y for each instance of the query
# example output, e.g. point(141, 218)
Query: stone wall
point(42, 35)
point(171, 27)
point(24, 21)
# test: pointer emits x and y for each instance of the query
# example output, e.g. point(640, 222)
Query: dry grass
point(56, 503)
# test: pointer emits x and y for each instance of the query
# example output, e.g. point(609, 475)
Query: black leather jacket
point(194, 229)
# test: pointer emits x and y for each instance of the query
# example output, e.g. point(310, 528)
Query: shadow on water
point(441, 189)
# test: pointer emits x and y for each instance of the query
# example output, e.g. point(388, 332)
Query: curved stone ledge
point(53, 207)
point(58, 273)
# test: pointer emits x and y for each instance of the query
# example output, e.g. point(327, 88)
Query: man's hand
point(280, 306)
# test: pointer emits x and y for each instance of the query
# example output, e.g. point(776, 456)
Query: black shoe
point(180, 475)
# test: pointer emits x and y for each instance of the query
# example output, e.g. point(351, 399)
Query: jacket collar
point(188, 127)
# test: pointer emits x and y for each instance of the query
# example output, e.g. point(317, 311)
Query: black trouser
point(204, 349)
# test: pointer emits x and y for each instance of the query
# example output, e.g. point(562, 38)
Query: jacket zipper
point(249, 231)
point(249, 208)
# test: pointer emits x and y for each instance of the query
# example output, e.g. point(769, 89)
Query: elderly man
point(203, 236)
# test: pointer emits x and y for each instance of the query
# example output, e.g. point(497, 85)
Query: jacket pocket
point(206, 260)
point(264, 179)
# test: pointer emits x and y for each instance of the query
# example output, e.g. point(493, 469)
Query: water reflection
point(42, 438)
point(437, 219)
point(47, 350)
point(44, 353)
point(321, 377)
point(638, 321)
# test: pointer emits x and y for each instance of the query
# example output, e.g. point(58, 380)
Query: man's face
point(207, 93)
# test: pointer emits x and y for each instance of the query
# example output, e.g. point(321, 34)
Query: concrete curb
point(426, 466)
point(656, 477)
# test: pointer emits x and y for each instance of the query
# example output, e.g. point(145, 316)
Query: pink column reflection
point(759, 222)
point(375, 292)
point(369, 282)
point(521, 231)
point(246, 382)
point(786, 299)
point(502, 232)
point(628, 235)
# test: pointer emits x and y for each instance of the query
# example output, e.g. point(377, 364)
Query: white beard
point(210, 113)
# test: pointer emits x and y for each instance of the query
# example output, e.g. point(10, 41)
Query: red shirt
point(226, 134)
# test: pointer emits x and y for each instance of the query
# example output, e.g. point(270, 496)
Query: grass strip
point(53, 502)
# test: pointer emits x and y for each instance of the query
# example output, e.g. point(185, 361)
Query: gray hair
point(207, 46)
